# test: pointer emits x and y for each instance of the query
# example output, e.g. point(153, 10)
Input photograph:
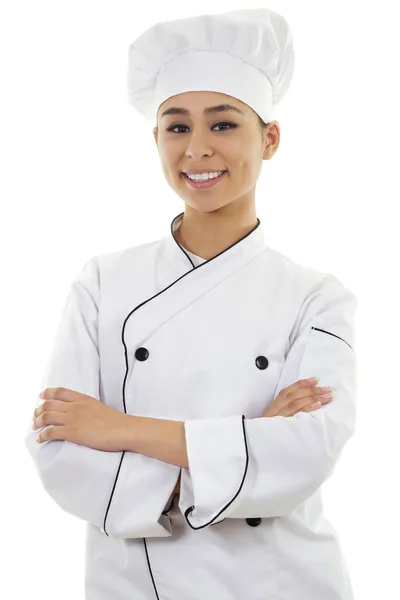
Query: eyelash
point(232, 126)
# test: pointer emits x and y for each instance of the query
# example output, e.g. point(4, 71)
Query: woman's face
point(213, 141)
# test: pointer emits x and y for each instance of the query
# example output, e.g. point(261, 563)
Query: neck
point(208, 234)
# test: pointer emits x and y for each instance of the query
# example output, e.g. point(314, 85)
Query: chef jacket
point(154, 331)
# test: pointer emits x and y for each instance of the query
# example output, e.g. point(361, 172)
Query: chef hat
point(247, 54)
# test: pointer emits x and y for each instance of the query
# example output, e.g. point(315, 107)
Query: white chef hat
point(247, 54)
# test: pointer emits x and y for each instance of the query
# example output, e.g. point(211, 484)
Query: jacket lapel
point(180, 283)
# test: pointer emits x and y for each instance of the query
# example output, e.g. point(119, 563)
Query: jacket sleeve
point(268, 467)
point(122, 493)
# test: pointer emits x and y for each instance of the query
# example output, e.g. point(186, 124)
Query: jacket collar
point(180, 284)
point(243, 249)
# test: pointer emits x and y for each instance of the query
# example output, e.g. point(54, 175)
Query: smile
point(202, 184)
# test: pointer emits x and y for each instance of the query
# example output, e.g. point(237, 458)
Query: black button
point(142, 354)
point(262, 362)
point(253, 522)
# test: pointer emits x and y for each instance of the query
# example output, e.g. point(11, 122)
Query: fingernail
point(312, 379)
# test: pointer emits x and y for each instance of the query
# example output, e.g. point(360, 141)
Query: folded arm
point(122, 493)
point(268, 467)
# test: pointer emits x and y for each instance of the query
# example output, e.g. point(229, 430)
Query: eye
point(221, 123)
point(231, 125)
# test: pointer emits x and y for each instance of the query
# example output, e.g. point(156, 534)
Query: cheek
point(171, 162)
point(239, 155)
point(243, 167)
point(168, 170)
point(247, 161)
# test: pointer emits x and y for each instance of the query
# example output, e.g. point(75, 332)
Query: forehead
point(201, 102)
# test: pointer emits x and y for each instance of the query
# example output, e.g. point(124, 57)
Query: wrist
point(129, 432)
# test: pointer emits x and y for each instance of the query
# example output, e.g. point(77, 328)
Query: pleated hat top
point(246, 54)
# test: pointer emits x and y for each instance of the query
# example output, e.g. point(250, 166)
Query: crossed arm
point(69, 415)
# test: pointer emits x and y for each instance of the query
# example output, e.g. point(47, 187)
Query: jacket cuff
point(124, 495)
point(140, 493)
point(218, 464)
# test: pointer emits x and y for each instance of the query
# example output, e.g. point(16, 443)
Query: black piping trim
point(151, 572)
point(142, 304)
point(334, 334)
point(209, 260)
point(127, 368)
point(190, 509)
point(112, 493)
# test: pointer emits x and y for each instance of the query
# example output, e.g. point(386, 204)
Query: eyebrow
point(175, 110)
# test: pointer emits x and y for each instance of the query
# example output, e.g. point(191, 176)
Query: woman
point(178, 418)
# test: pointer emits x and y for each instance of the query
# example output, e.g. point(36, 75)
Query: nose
point(198, 145)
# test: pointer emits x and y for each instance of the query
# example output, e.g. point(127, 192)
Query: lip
point(201, 171)
point(203, 184)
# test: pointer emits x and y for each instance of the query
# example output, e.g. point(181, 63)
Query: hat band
point(203, 70)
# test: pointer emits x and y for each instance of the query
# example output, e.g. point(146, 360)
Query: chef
point(177, 415)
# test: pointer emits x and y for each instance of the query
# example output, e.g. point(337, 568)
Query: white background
point(80, 175)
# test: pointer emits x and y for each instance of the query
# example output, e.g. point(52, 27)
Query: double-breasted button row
point(261, 362)
point(143, 354)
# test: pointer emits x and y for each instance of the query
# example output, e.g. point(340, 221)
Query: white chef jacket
point(155, 331)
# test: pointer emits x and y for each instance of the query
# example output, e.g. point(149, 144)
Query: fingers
point(315, 406)
point(307, 403)
point(301, 388)
point(296, 392)
point(311, 407)
point(297, 397)
point(57, 405)
point(305, 397)
point(49, 417)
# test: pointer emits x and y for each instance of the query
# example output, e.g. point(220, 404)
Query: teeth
point(204, 176)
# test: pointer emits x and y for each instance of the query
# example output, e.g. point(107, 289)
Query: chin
point(204, 206)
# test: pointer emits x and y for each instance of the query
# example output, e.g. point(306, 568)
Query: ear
point(271, 140)
point(155, 133)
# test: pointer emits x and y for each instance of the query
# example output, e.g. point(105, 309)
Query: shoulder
point(99, 268)
point(309, 279)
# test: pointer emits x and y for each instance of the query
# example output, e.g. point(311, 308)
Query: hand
point(81, 419)
point(299, 396)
